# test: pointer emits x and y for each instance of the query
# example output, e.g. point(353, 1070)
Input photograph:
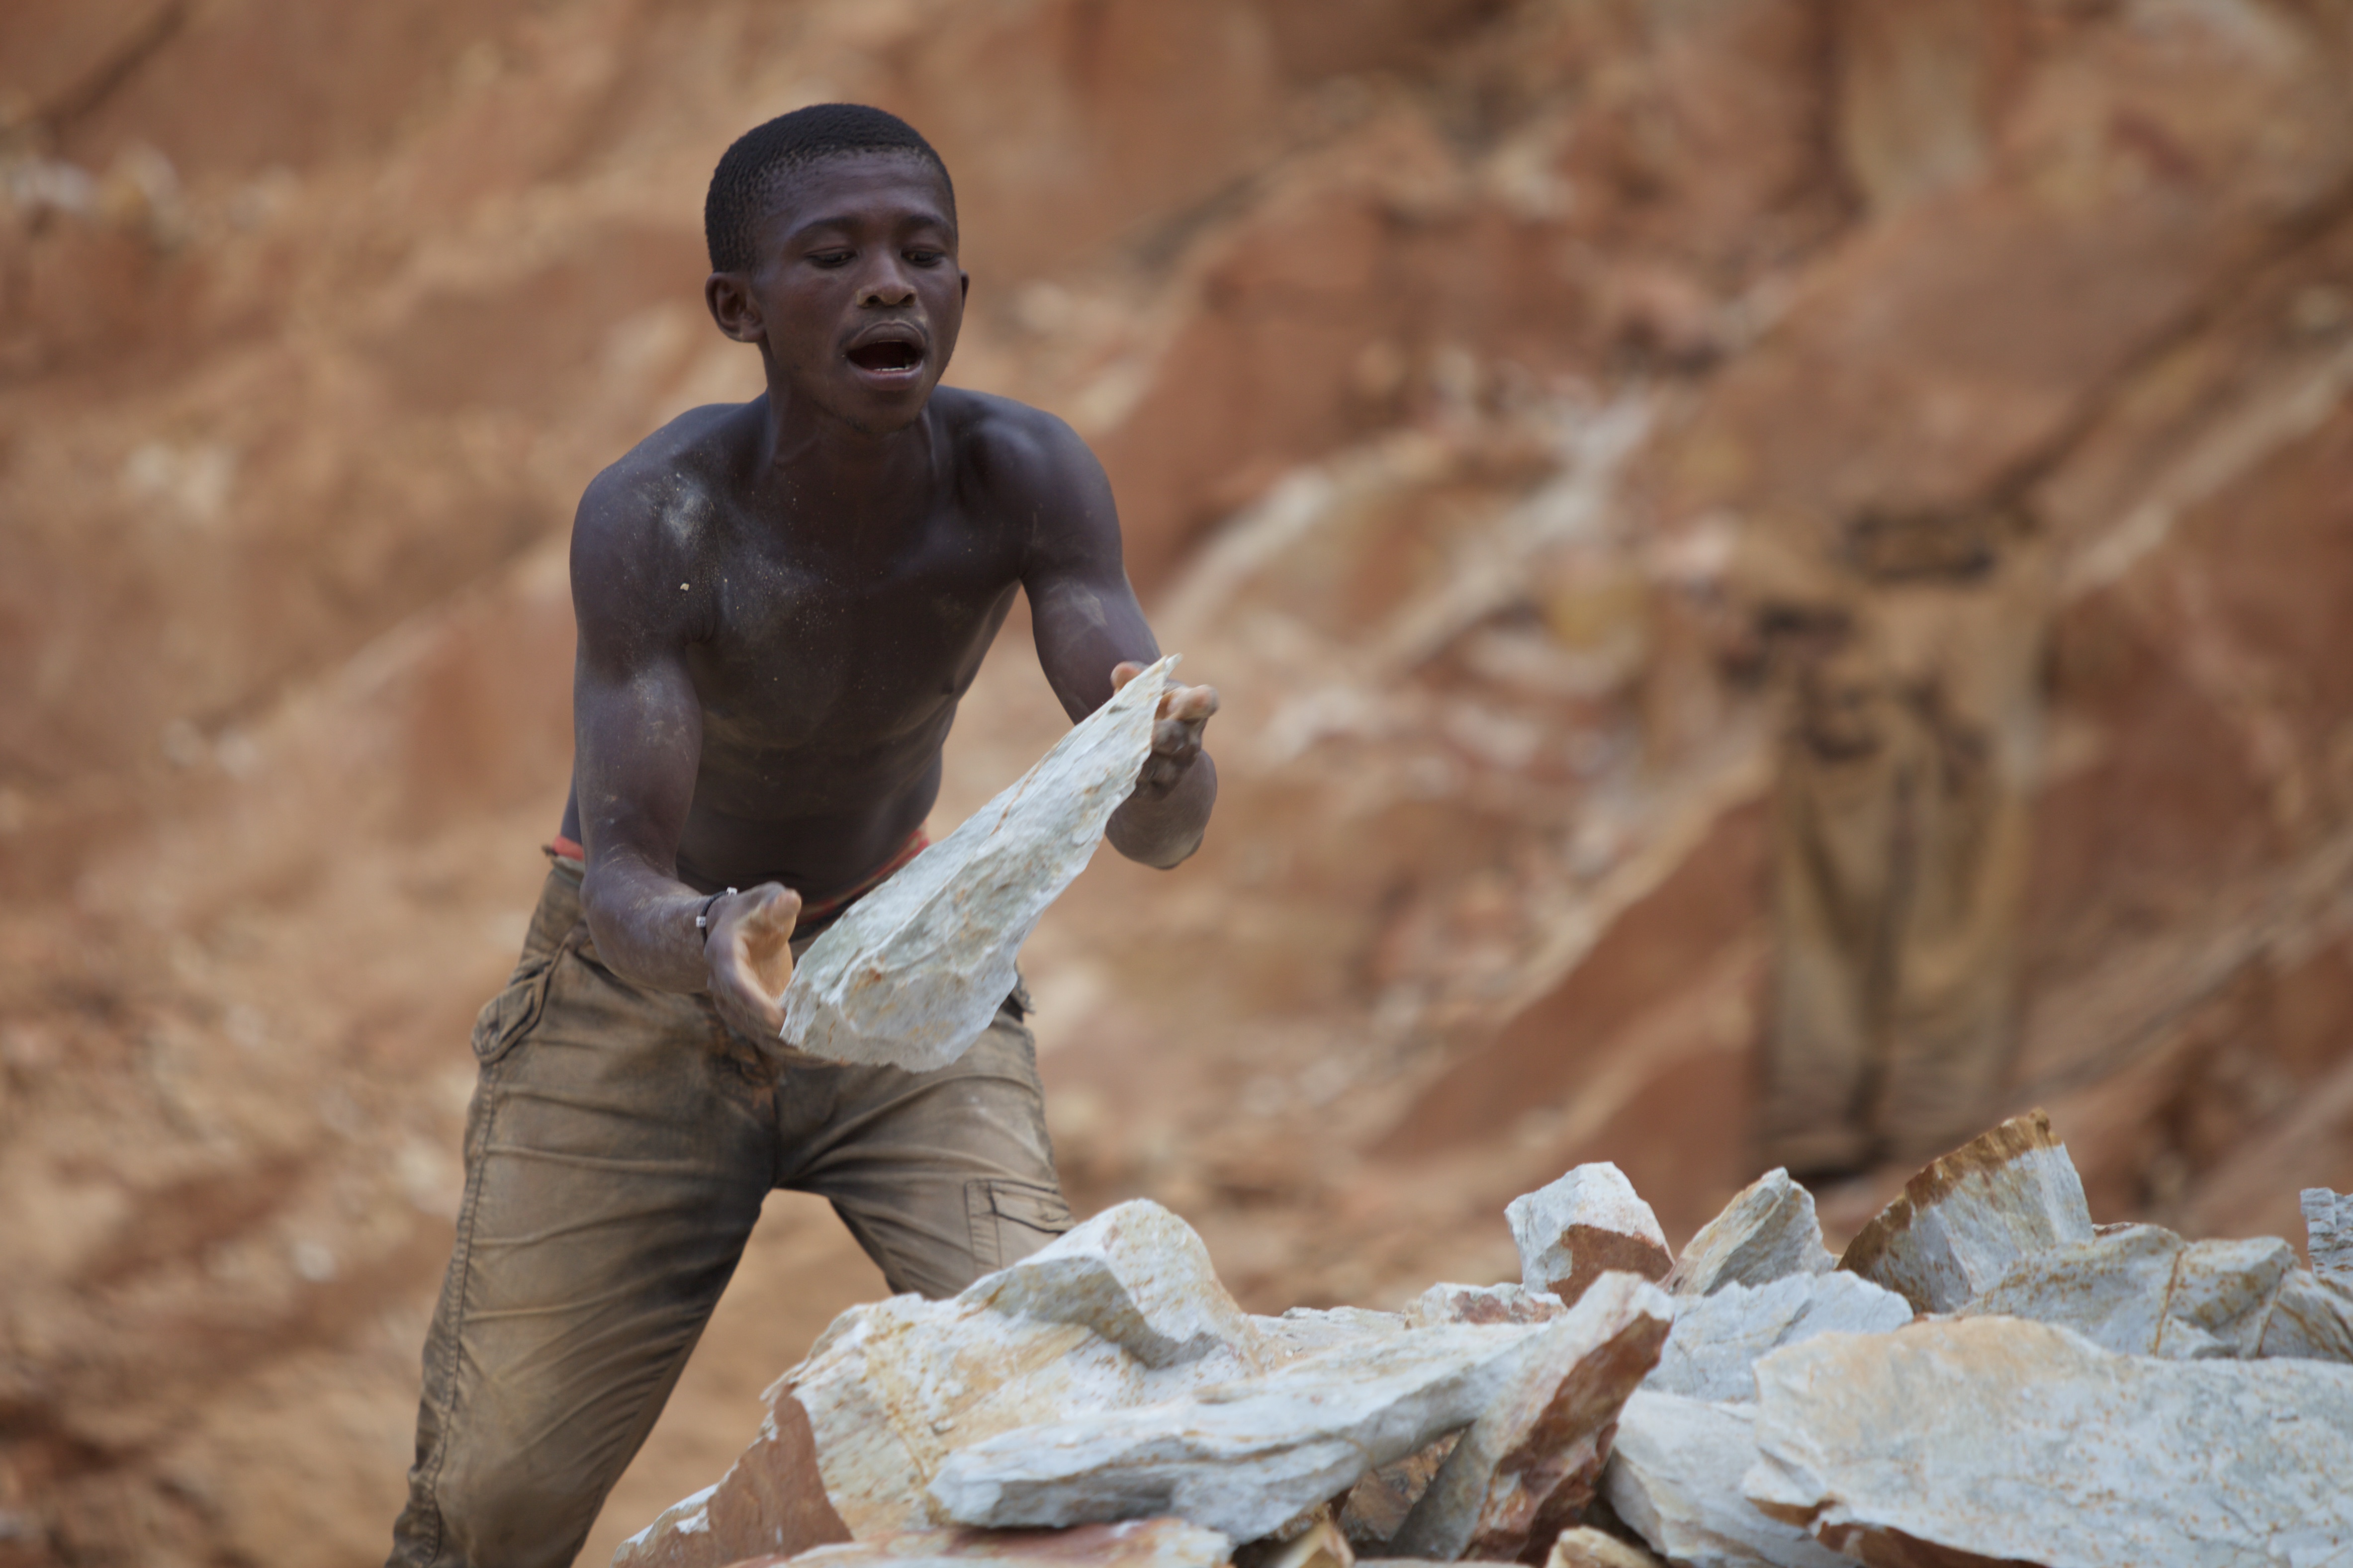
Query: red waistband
point(914, 845)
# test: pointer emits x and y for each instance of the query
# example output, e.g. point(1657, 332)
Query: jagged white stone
point(1306, 1331)
point(2016, 1440)
point(1717, 1339)
point(1966, 1218)
point(912, 976)
point(2328, 1235)
point(1674, 1478)
point(1588, 1222)
point(1586, 1547)
point(1526, 1467)
point(1125, 1309)
point(2312, 1319)
point(1768, 1231)
point(1244, 1458)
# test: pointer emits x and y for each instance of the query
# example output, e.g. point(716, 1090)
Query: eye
point(920, 256)
point(829, 259)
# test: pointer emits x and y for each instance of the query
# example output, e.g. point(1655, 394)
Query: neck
point(831, 473)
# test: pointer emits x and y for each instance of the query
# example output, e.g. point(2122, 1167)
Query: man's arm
point(638, 738)
point(1092, 635)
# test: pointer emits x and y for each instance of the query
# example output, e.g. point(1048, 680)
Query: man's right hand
point(749, 947)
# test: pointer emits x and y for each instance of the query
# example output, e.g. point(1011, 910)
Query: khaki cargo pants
point(618, 1149)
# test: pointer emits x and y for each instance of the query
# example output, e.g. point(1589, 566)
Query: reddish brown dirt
point(1441, 352)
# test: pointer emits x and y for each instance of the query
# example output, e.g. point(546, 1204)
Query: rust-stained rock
point(1962, 1222)
point(1131, 1544)
point(1997, 1439)
point(1377, 1505)
point(1483, 1304)
point(1769, 1230)
point(1717, 1339)
point(2328, 1233)
point(1585, 1224)
point(1586, 1547)
point(911, 976)
point(1527, 1466)
point(1245, 1457)
point(2139, 1289)
point(1674, 1478)
point(771, 1500)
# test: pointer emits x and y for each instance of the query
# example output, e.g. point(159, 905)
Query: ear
point(733, 307)
point(964, 286)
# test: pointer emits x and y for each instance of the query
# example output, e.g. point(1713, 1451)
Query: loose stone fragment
point(1996, 1438)
point(2328, 1233)
point(1768, 1231)
point(1319, 1545)
point(1377, 1505)
point(771, 1500)
point(1483, 1304)
point(1527, 1466)
point(1131, 1543)
point(1245, 1457)
point(1717, 1339)
point(2311, 1320)
point(1674, 1478)
point(2139, 1289)
point(1583, 1225)
point(912, 976)
point(1586, 1547)
point(1964, 1220)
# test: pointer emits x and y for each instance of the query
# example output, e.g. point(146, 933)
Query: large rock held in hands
point(912, 976)
point(1996, 1439)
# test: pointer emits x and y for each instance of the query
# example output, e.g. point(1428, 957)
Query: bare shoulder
point(1013, 452)
point(646, 520)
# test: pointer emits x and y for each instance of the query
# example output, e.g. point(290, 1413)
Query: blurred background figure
point(1775, 567)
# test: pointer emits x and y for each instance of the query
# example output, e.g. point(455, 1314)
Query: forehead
point(883, 188)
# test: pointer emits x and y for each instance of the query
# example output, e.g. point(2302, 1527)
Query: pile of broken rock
point(1984, 1377)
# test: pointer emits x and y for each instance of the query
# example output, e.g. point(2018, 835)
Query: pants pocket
point(1010, 1220)
point(506, 1017)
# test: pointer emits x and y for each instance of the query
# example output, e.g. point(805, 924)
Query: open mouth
point(891, 355)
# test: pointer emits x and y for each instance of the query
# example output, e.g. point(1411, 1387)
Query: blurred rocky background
point(1775, 567)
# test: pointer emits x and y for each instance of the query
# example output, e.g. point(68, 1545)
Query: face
point(856, 298)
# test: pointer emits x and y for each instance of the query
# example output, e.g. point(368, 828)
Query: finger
point(1175, 738)
point(762, 935)
point(1193, 704)
point(1123, 672)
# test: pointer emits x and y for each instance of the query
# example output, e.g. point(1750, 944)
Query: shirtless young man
point(780, 606)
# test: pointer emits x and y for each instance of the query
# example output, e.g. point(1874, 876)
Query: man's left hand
point(1177, 731)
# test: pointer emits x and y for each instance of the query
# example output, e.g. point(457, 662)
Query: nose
point(887, 287)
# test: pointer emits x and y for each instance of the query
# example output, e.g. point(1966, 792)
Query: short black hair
point(763, 157)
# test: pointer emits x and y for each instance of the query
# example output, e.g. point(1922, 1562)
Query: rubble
point(2010, 1387)
point(1674, 1478)
point(1526, 1467)
point(911, 976)
point(1588, 1222)
point(2328, 1235)
point(1767, 1231)
point(1997, 1439)
point(1965, 1220)
point(1717, 1339)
